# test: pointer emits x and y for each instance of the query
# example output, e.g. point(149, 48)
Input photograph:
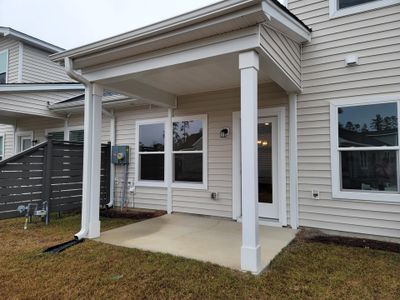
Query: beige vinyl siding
point(37, 67)
point(144, 197)
point(33, 103)
point(8, 132)
point(218, 106)
point(374, 37)
point(38, 126)
point(12, 47)
point(284, 52)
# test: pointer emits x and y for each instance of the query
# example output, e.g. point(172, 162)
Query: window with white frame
point(365, 153)
point(189, 150)
point(3, 66)
point(151, 151)
point(56, 135)
point(76, 135)
point(1, 146)
point(339, 8)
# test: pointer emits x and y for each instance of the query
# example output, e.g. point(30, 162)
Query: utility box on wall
point(120, 155)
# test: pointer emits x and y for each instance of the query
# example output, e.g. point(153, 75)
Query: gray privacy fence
point(50, 172)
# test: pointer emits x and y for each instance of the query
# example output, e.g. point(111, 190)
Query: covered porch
point(208, 239)
point(231, 44)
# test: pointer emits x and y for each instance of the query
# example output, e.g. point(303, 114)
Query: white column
point(293, 161)
point(250, 251)
point(91, 163)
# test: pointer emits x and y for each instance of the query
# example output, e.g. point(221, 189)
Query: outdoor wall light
point(224, 133)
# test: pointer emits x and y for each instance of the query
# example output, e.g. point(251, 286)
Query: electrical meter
point(120, 155)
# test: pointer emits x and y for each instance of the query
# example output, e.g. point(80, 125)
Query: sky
point(72, 23)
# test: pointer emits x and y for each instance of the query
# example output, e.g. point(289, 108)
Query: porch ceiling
point(216, 73)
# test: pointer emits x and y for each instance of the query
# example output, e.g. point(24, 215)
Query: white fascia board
point(26, 87)
point(285, 23)
point(196, 16)
point(192, 52)
point(6, 31)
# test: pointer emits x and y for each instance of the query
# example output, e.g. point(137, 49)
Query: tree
point(377, 123)
point(364, 128)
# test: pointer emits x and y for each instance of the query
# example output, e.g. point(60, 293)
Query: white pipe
point(168, 159)
point(112, 169)
point(88, 99)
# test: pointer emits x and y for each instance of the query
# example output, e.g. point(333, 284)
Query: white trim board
point(280, 113)
point(38, 87)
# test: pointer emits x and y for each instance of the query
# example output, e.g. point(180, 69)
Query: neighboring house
point(29, 83)
point(311, 81)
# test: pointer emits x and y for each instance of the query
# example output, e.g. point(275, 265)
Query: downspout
point(88, 95)
point(111, 115)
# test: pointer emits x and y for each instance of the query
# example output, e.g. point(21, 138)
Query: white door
point(268, 163)
point(268, 203)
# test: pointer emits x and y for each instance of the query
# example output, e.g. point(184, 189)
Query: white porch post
point(250, 251)
point(293, 161)
point(91, 163)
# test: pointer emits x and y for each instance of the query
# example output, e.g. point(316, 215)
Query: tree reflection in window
point(368, 125)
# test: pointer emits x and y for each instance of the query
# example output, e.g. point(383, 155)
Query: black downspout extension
point(61, 247)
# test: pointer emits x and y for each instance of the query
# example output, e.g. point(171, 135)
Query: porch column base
point(250, 259)
point(94, 229)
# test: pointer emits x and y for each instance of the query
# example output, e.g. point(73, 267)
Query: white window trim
point(18, 136)
point(7, 63)
point(149, 183)
point(190, 185)
point(3, 135)
point(337, 193)
point(334, 12)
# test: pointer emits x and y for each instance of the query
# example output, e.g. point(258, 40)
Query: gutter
point(85, 204)
point(40, 87)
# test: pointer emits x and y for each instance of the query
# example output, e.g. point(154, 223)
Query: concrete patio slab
point(208, 239)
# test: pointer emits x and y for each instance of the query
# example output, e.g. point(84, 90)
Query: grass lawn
point(304, 270)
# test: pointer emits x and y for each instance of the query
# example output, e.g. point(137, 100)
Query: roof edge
point(180, 21)
point(38, 43)
point(39, 87)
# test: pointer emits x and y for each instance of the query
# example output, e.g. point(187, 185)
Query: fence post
point(48, 157)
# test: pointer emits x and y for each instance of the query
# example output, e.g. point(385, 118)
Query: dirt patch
point(311, 235)
point(134, 214)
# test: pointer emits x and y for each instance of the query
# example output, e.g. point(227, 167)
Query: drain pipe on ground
point(88, 95)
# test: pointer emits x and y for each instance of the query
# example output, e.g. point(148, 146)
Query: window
point(189, 153)
point(1, 147)
point(76, 136)
point(56, 135)
point(25, 143)
point(338, 8)
point(365, 150)
point(151, 149)
point(3, 66)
